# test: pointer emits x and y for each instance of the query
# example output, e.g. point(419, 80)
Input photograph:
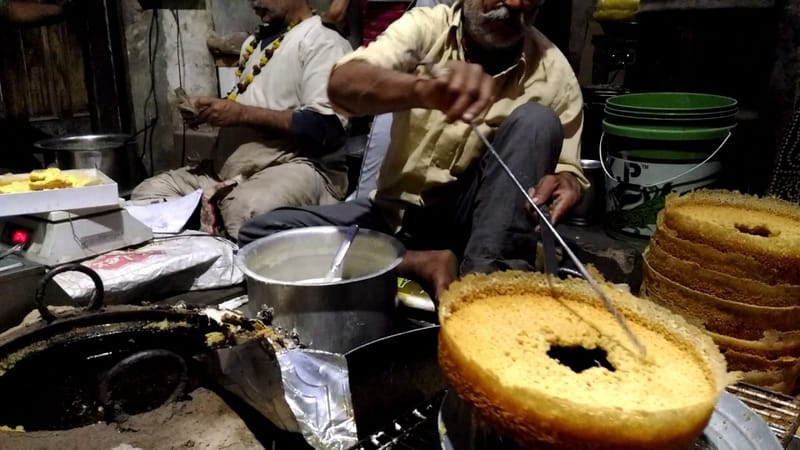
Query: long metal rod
point(11, 251)
point(581, 268)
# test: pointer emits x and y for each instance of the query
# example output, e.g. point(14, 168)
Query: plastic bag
point(186, 262)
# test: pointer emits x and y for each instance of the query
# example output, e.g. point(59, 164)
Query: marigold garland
point(245, 80)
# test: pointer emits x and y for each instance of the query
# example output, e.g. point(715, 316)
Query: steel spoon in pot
point(335, 271)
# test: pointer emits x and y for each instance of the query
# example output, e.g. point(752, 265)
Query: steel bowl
point(112, 154)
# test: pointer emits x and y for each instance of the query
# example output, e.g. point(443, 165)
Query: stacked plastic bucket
point(657, 143)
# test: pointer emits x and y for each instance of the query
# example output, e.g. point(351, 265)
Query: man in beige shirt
point(280, 143)
point(438, 190)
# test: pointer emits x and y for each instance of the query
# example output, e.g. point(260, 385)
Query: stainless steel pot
point(112, 154)
point(591, 208)
point(336, 316)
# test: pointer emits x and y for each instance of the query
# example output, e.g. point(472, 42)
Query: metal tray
point(102, 193)
point(733, 426)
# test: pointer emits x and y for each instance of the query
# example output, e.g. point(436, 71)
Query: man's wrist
point(245, 115)
point(418, 92)
point(572, 179)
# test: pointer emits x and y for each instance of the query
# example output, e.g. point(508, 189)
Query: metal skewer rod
point(11, 251)
point(581, 268)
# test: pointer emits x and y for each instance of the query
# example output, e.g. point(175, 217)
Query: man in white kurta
point(280, 142)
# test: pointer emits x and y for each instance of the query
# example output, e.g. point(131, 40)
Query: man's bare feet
point(433, 269)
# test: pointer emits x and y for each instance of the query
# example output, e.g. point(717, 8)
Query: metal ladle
point(336, 267)
point(543, 218)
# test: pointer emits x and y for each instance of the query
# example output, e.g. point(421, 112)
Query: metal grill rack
point(781, 412)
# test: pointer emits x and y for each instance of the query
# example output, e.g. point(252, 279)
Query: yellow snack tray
point(94, 189)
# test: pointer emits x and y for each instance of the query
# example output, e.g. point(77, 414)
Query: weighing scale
point(54, 238)
point(40, 229)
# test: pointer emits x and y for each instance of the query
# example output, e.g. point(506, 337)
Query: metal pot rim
point(110, 141)
point(590, 164)
point(244, 251)
point(392, 337)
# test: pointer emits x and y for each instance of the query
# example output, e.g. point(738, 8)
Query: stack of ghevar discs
point(730, 263)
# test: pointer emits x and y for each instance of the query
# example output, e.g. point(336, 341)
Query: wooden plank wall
point(42, 78)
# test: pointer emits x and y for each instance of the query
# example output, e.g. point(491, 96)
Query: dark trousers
point(482, 217)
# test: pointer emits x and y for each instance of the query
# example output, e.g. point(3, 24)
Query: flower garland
point(248, 51)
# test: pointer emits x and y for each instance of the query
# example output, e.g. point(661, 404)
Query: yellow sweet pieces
point(616, 9)
point(40, 180)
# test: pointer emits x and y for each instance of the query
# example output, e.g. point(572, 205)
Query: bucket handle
point(710, 157)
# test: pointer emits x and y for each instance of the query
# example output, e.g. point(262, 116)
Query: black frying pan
point(392, 375)
point(75, 368)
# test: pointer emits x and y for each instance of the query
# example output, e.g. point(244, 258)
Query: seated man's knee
point(150, 189)
point(534, 116)
point(238, 210)
point(267, 224)
point(172, 184)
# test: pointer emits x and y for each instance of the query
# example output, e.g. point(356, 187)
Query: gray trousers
point(482, 217)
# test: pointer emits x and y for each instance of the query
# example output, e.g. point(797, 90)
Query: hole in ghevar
point(579, 358)
point(756, 230)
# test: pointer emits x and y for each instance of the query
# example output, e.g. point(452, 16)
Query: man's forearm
point(26, 12)
point(361, 89)
point(267, 118)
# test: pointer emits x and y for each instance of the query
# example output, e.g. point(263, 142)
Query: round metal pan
point(733, 426)
point(73, 368)
point(392, 375)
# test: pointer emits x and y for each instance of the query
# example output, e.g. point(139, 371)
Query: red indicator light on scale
point(20, 237)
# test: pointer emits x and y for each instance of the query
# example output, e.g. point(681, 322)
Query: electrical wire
point(181, 74)
point(179, 47)
point(152, 52)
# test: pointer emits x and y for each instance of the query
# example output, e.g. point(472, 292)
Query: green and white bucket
point(666, 146)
